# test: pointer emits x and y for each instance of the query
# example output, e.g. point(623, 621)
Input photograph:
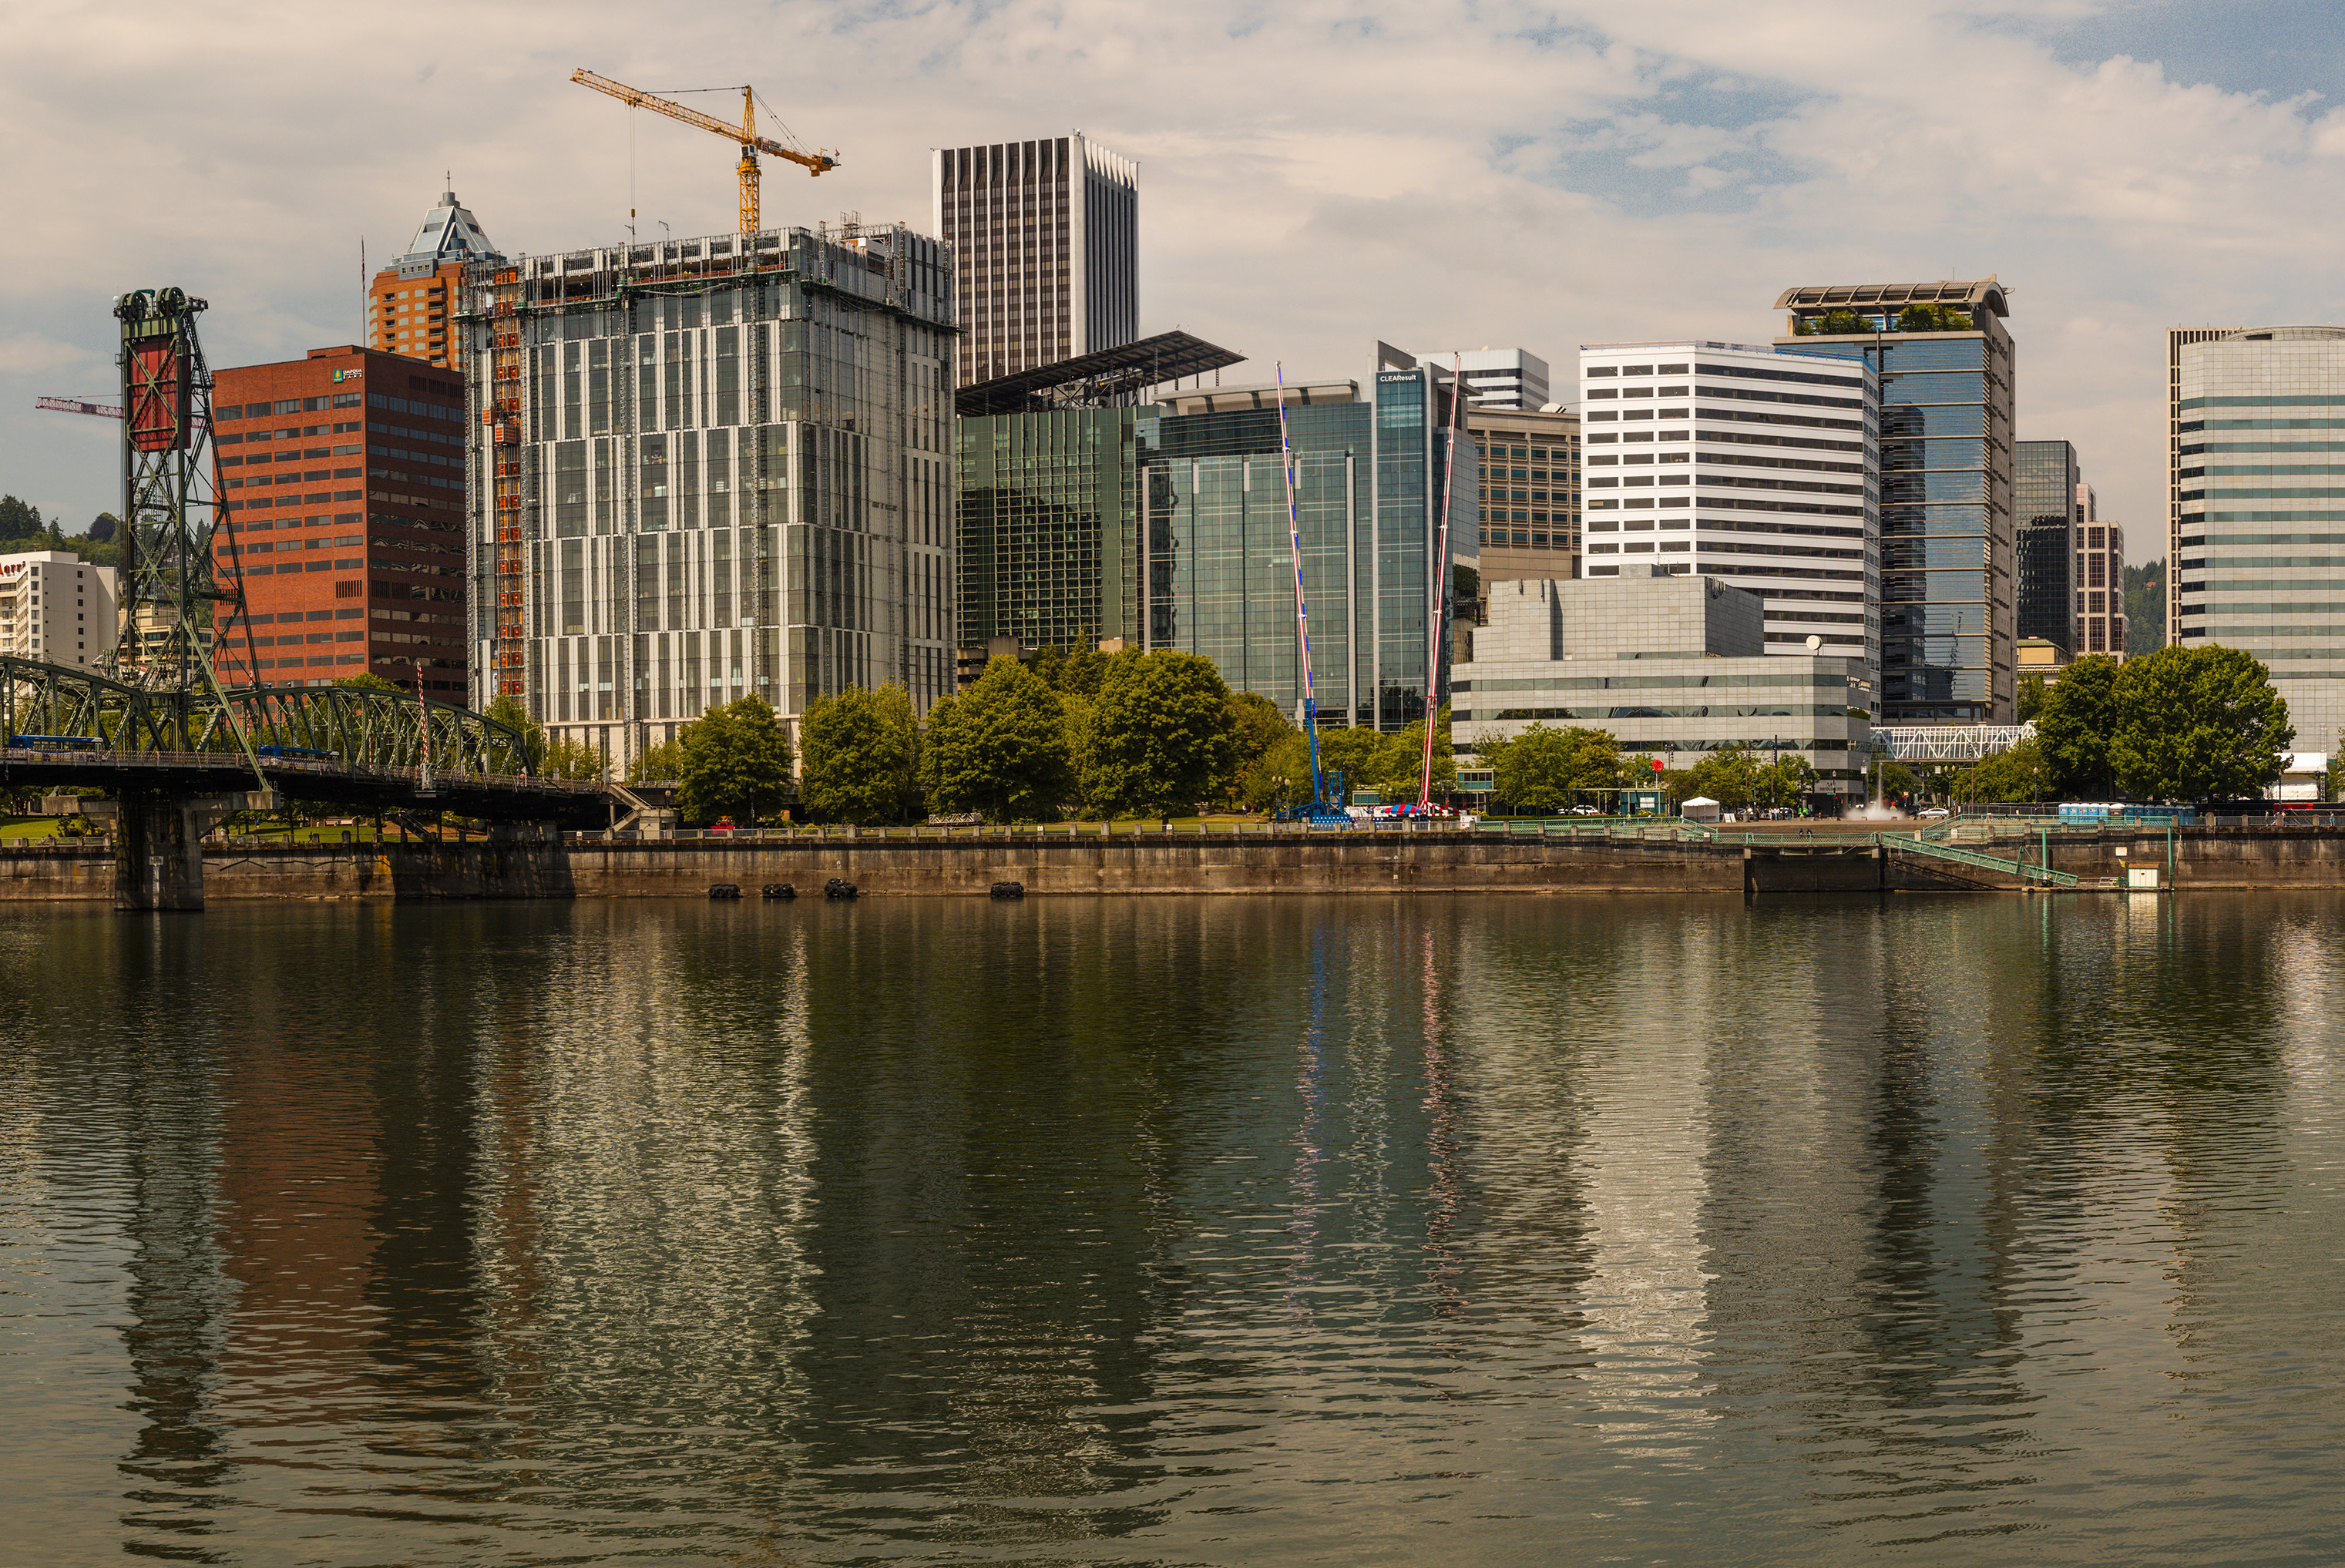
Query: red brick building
point(343, 478)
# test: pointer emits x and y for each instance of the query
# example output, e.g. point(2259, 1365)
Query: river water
point(1217, 1230)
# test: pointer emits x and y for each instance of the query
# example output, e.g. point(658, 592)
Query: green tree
point(662, 763)
point(862, 756)
point(1544, 768)
point(2201, 722)
point(2031, 697)
point(19, 519)
point(1080, 672)
point(1281, 776)
point(736, 761)
point(1351, 751)
point(1397, 764)
point(1783, 781)
point(2020, 773)
point(1000, 747)
point(1256, 726)
point(2145, 607)
point(550, 758)
point(1160, 737)
point(370, 682)
point(1729, 775)
point(2075, 724)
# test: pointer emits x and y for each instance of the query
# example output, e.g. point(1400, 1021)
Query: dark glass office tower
point(1220, 574)
point(1948, 622)
point(1046, 523)
point(2046, 512)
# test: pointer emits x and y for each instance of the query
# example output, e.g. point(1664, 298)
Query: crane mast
point(744, 134)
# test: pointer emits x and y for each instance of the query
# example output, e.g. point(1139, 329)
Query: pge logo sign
point(341, 376)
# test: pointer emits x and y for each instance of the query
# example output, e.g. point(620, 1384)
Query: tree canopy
point(552, 759)
point(1000, 748)
point(2020, 773)
point(1160, 736)
point(2195, 723)
point(1350, 751)
point(862, 756)
point(1256, 726)
point(2074, 723)
point(736, 761)
point(1546, 769)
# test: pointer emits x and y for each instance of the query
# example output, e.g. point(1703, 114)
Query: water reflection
point(1171, 1230)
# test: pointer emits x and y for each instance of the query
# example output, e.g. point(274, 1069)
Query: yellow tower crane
point(745, 134)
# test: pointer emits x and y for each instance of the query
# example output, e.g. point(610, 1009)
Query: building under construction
point(706, 468)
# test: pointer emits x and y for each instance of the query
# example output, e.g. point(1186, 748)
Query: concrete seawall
point(1146, 863)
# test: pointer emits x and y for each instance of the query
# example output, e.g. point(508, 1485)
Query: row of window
point(295, 457)
point(287, 434)
point(286, 406)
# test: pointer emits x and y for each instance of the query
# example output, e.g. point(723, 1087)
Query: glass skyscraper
point(2258, 520)
point(1948, 620)
point(1048, 527)
point(1219, 571)
point(2045, 491)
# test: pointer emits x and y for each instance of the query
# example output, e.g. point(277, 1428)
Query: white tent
point(1700, 808)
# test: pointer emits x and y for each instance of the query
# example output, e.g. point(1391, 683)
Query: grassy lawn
point(30, 827)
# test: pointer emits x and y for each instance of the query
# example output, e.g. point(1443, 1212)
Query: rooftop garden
point(1911, 318)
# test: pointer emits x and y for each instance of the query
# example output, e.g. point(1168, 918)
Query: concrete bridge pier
point(158, 837)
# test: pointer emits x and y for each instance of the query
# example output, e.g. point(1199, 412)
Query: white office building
point(1736, 462)
point(57, 608)
point(2257, 520)
point(1044, 237)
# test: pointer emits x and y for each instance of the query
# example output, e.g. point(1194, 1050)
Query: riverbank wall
point(1143, 863)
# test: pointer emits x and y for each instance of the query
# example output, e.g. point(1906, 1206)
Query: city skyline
point(1658, 172)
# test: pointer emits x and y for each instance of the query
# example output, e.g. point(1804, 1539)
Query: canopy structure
point(1104, 379)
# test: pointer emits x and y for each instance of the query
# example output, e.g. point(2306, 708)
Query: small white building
point(2302, 776)
point(56, 609)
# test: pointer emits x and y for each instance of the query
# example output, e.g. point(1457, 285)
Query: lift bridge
point(155, 724)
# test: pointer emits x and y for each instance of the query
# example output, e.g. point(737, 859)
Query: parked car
point(1934, 811)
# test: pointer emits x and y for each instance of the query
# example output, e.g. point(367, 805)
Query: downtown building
point(705, 469)
point(2048, 498)
point(2257, 525)
point(1510, 378)
point(1944, 364)
point(1044, 242)
point(57, 609)
point(1668, 663)
point(1746, 463)
point(1530, 465)
point(2100, 624)
point(1371, 475)
point(410, 302)
point(1164, 526)
point(340, 478)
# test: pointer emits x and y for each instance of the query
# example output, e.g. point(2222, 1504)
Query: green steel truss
point(366, 730)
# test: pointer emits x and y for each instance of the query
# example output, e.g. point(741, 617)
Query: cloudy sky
point(1313, 174)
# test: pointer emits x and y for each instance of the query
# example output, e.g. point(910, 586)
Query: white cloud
point(1315, 174)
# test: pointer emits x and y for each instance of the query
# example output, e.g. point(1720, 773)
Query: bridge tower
point(171, 588)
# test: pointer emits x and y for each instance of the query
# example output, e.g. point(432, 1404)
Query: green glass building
point(1048, 527)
